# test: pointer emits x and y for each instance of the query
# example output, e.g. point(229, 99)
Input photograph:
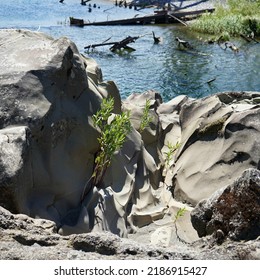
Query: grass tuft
point(239, 17)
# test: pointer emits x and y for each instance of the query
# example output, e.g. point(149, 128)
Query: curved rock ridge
point(48, 144)
point(219, 140)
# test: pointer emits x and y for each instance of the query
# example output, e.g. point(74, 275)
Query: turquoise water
point(161, 67)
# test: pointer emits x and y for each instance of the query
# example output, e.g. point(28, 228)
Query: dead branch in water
point(117, 45)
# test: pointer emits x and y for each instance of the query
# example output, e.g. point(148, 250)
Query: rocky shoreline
point(24, 238)
point(48, 143)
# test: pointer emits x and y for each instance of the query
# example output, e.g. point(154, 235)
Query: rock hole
point(69, 72)
point(130, 252)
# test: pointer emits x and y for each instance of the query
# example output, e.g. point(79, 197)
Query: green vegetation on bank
point(238, 17)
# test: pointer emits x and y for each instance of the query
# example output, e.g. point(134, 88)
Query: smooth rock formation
point(233, 210)
point(219, 140)
point(44, 90)
point(49, 92)
point(190, 149)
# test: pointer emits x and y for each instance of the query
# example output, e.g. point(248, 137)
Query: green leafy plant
point(169, 154)
point(168, 158)
point(113, 131)
point(180, 213)
point(146, 118)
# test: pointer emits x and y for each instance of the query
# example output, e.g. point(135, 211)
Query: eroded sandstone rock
point(219, 140)
point(49, 92)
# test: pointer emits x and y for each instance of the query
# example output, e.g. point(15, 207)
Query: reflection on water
point(162, 67)
point(186, 70)
point(209, 68)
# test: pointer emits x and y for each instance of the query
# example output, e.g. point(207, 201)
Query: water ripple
point(161, 67)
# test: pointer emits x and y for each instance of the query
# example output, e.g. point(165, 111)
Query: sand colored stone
point(48, 143)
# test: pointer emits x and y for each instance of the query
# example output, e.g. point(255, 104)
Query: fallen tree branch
point(99, 45)
point(248, 39)
point(117, 45)
point(211, 80)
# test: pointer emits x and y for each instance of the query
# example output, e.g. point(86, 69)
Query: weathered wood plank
point(157, 18)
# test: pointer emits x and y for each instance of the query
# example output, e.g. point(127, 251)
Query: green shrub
point(240, 17)
point(180, 213)
point(113, 131)
point(170, 153)
point(146, 118)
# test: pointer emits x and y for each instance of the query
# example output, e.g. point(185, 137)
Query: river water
point(162, 67)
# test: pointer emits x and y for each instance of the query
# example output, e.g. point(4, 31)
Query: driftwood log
point(118, 45)
point(249, 38)
point(83, 2)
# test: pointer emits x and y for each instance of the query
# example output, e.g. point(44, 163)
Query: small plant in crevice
point(146, 118)
point(180, 213)
point(113, 130)
point(168, 158)
point(170, 153)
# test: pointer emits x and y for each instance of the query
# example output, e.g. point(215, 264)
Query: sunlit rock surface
point(48, 143)
point(49, 93)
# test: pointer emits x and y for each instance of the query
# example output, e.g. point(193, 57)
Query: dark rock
point(105, 244)
point(233, 210)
